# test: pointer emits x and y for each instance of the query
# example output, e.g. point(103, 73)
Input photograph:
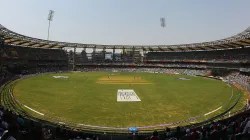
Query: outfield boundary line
point(24, 105)
point(219, 107)
point(213, 111)
point(33, 110)
point(232, 95)
point(141, 127)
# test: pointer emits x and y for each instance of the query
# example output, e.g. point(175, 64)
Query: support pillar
point(133, 54)
point(74, 59)
point(142, 55)
point(93, 54)
point(113, 58)
point(86, 55)
point(104, 53)
point(123, 55)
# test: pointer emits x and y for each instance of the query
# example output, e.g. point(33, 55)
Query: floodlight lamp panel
point(51, 12)
point(51, 15)
point(162, 20)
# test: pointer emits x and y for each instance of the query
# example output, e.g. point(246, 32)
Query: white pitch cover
point(127, 95)
point(61, 77)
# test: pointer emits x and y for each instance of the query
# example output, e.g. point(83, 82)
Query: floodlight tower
point(50, 18)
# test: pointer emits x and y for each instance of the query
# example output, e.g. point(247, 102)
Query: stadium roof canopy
point(240, 40)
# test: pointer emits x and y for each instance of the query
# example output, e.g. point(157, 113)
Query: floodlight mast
point(50, 18)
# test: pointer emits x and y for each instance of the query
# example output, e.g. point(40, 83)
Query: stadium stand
point(18, 59)
point(232, 56)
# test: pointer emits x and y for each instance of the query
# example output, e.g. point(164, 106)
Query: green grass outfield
point(83, 99)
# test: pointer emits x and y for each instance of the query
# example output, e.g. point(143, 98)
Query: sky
point(127, 22)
